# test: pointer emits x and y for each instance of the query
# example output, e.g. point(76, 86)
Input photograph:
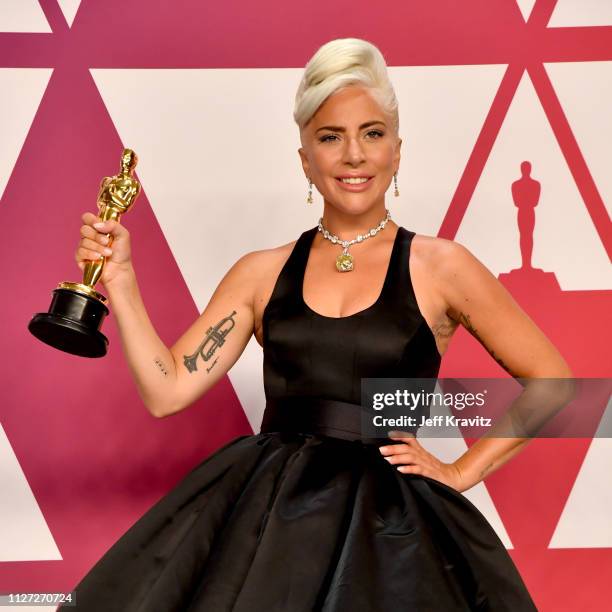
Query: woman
point(308, 514)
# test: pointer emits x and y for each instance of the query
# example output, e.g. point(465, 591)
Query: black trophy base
point(72, 324)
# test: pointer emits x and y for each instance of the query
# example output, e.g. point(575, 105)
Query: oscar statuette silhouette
point(77, 309)
point(526, 193)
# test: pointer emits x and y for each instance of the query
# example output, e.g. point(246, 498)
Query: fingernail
point(108, 251)
point(99, 224)
point(383, 449)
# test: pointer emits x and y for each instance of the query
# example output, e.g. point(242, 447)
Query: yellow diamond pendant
point(344, 261)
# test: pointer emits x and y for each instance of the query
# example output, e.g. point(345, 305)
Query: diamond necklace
point(344, 261)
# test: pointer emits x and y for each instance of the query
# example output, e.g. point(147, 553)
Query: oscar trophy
point(77, 309)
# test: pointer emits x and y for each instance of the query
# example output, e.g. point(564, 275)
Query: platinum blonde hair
point(338, 64)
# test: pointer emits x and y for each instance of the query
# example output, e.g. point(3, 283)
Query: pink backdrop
point(92, 456)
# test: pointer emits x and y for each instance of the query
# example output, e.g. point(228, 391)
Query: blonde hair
point(340, 63)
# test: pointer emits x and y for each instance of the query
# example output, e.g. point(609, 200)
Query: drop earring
point(309, 198)
point(395, 181)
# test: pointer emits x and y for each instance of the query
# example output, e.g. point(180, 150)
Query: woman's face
point(350, 135)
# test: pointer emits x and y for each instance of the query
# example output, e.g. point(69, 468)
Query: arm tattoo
point(161, 366)
point(213, 339)
point(465, 321)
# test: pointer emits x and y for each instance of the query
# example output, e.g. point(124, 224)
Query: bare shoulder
point(444, 261)
point(256, 267)
point(265, 262)
point(274, 254)
point(431, 261)
point(478, 301)
point(434, 253)
point(453, 268)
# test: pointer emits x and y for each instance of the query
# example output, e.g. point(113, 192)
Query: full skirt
point(297, 522)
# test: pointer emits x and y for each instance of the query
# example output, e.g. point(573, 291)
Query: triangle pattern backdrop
point(80, 80)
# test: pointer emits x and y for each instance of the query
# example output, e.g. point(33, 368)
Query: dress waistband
point(313, 415)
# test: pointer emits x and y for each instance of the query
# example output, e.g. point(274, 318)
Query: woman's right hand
point(95, 240)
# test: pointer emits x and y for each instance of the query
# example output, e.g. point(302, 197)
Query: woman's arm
point(478, 301)
point(165, 384)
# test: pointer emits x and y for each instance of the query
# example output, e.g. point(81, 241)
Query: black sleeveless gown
point(307, 514)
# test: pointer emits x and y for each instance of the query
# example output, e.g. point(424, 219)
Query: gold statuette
point(77, 309)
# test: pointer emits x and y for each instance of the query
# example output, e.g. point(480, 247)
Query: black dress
point(307, 514)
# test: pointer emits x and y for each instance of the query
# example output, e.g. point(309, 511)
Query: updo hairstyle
point(338, 64)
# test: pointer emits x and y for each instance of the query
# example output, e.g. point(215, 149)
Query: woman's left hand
point(411, 458)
